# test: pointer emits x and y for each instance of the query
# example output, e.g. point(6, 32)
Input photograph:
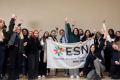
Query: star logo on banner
point(58, 51)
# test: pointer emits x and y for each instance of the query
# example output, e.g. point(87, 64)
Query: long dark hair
point(43, 37)
point(95, 52)
point(77, 31)
point(85, 37)
point(116, 37)
point(113, 34)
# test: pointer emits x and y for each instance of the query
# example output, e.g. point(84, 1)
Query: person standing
point(1, 45)
point(16, 49)
point(73, 37)
point(33, 56)
point(43, 61)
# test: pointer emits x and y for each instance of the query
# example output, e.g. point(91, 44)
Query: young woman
point(43, 63)
point(33, 56)
point(87, 35)
point(73, 37)
point(25, 60)
point(6, 50)
point(95, 60)
point(1, 46)
point(107, 57)
point(16, 49)
point(98, 40)
point(115, 64)
point(117, 38)
point(52, 37)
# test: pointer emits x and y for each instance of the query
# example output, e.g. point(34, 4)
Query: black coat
point(90, 58)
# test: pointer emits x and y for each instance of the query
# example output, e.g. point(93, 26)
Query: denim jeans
point(23, 66)
point(1, 58)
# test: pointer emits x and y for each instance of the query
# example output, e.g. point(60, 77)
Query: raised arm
point(73, 26)
point(12, 23)
point(68, 26)
point(56, 31)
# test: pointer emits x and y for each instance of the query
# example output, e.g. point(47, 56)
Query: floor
point(59, 77)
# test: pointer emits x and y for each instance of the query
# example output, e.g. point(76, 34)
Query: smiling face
point(115, 47)
point(110, 32)
point(53, 33)
point(30, 33)
point(18, 30)
point(46, 34)
point(1, 23)
point(87, 33)
point(62, 32)
point(118, 34)
point(24, 32)
point(92, 48)
point(80, 32)
point(75, 32)
point(36, 34)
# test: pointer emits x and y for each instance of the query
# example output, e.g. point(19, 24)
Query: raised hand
point(104, 21)
point(66, 19)
point(21, 21)
point(13, 15)
point(74, 23)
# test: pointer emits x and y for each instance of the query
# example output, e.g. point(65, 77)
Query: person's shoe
point(77, 77)
point(65, 75)
point(71, 76)
point(43, 76)
point(110, 75)
point(4, 78)
point(115, 77)
point(97, 78)
point(101, 75)
point(24, 77)
point(39, 76)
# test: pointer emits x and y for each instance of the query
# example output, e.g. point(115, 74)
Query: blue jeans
point(23, 66)
point(1, 58)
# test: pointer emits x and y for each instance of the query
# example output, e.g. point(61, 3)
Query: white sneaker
point(77, 76)
point(39, 76)
point(65, 75)
point(71, 76)
point(43, 76)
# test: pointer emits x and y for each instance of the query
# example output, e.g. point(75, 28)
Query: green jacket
point(71, 37)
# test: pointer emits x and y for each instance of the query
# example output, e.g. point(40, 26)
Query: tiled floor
point(59, 77)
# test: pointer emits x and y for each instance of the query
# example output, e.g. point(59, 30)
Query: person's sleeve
point(19, 25)
point(66, 33)
point(101, 45)
point(86, 64)
point(69, 29)
point(73, 26)
point(11, 26)
point(56, 32)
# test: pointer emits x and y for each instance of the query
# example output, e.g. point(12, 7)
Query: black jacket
point(90, 58)
point(33, 46)
point(114, 53)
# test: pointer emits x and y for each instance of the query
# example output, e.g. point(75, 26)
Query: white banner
point(67, 55)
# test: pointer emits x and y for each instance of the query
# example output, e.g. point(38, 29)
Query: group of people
point(26, 51)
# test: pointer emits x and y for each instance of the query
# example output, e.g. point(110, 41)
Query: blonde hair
point(21, 34)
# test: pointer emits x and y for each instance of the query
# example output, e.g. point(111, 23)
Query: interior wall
point(46, 14)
